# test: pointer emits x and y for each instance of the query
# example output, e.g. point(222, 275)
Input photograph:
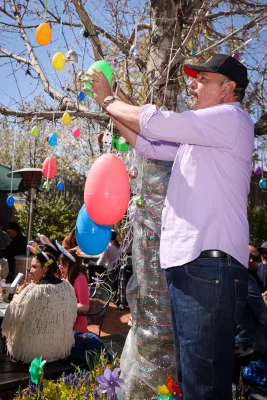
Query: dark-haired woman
point(73, 272)
point(39, 320)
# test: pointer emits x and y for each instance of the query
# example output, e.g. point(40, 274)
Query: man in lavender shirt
point(205, 236)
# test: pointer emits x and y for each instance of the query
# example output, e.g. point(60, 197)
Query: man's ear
point(228, 88)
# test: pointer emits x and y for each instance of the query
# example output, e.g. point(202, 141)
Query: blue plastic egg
point(52, 140)
point(60, 185)
point(10, 201)
point(81, 96)
point(263, 184)
point(92, 238)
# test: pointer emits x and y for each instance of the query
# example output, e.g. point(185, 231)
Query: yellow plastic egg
point(65, 118)
point(58, 61)
point(163, 390)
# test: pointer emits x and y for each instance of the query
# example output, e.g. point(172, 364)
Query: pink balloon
point(76, 132)
point(107, 190)
point(49, 167)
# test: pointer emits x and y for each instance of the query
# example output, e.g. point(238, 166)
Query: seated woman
point(73, 272)
point(39, 320)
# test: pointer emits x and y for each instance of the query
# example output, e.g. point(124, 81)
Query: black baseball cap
point(263, 247)
point(221, 64)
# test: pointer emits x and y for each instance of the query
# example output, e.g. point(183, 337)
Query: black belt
point(213, 254)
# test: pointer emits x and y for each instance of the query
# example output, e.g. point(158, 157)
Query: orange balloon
point(107, 190)
point(43, 34)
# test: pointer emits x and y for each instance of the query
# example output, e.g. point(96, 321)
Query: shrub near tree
point(52, 217)
point(257, 218)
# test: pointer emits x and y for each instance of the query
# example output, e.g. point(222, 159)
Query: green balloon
point(105, 68)
point(35, 131)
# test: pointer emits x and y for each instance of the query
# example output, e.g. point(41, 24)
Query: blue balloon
point(10, 201)
point(52, 140)
point(92, 238)
point(81, 96)
point(60, 185)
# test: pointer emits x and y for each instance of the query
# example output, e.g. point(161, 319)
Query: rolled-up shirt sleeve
point(213, 126)
point(156, 149)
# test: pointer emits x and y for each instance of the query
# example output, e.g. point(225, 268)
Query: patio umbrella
point(5, 181)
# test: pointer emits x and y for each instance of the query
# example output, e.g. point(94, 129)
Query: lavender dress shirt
point(206, 202)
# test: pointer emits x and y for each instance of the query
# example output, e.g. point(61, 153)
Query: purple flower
point(86, 396)
point(95, 394)
point(66, 380)
point(20, 392)
point(109, 382)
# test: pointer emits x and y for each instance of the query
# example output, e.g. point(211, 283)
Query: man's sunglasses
point(263, 253)
point(253, 258)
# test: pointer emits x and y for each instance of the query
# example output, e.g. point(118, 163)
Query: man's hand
point(100, 85)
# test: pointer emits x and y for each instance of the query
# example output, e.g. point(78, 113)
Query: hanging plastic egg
point(65, 118)
point(135, 52)
point(81, 96)
point(163, 108)
point(84, 32)
point(58, 61)
point(76, 132)
point(236, 56)
point(107, 190)
point(10, 201)
point(100, 138)
point(46, 186)
point(71, 56)
point(133, 173)
point(140, 201)
point(60, 185)
point(263, 184)
point(35, 131)
point(107, 138)
point(103, 67)
point(43, 34)
point(80, 75)
point(193, 52)
point(49, 168)
point(52, 139)
point(257, 170)
point(119, 143)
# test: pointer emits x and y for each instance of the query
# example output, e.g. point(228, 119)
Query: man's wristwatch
point(106, 101)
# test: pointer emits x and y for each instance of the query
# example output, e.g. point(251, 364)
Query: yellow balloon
point(163, 390)
point(65, 118)
point(58, 61)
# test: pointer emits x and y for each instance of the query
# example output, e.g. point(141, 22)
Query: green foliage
point(52, 216)
point(257, 218)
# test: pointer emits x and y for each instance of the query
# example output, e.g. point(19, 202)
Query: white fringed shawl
point(39, 322)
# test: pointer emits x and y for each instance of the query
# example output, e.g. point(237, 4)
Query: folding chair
point(100, 294)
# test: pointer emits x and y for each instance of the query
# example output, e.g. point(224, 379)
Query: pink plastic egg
point(49, 167)
point(76, 132)
point(107, 190)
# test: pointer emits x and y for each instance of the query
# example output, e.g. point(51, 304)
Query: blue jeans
point(208, 297)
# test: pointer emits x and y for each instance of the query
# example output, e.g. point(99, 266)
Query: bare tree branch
point(51, 115)
point(97, 48)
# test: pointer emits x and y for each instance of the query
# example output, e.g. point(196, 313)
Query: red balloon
point(107, 190)
point(49, 167)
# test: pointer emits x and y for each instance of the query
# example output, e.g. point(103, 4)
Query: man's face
point(11, 233)
point(253, 258)
point(263, 253)
point(206, 90)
